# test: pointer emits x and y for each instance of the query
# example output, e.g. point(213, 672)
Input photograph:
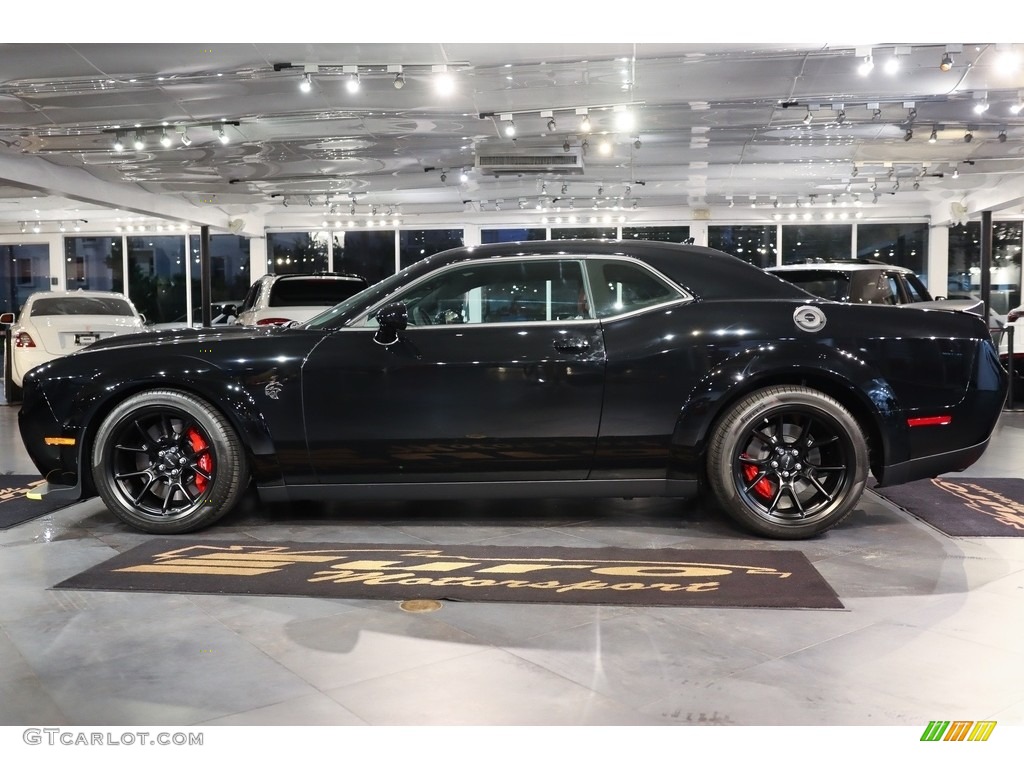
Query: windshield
point(337, 314)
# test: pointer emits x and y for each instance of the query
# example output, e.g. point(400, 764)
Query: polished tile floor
point(932, 627)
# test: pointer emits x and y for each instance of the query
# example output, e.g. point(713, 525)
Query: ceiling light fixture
point(866, 65)
point(636, 143)
point(510, 126)
point(183, 136)
point(1002, 137)
point(139, 144)
point(808, 117)
point(946, 63)
point(352, 83)
point(565, 146)
point(933, 136)
point(306, 84)
point(444, 83)
point(222, 136)
point(956, 172)
point(551, 125)
point(118, 144)
point(909, 134)
point(1019, 105)
point(551, 120)
point(444, 177)
point(584, 119)
point(463, 177)
point(968, 136)
point(165, 140)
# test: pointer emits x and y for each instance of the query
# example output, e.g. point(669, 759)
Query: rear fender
point(836, 372)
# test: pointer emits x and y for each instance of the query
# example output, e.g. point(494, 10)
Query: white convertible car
point(52, 324)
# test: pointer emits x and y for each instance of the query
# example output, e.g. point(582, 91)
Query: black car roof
point(705, 272)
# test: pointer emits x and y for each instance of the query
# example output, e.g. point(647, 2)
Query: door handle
point(572, 344)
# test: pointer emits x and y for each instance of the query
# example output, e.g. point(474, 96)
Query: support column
point(938, 259)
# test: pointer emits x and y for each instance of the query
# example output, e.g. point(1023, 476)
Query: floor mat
point(605, 576)
point(16, 508)
point(966, 506)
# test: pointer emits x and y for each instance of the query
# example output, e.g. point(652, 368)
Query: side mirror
point(392, 319)
point(7, 318)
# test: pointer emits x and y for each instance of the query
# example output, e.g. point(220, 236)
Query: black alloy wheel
point(166, 462)
point(788, 462)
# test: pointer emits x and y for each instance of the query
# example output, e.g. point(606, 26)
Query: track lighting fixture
point(808, 117)
point(565, 188)
point(183, 137)
point(636, 143)
point(565, 146)
point(444, 83)
point(841, 117)
point(956, 172)
point(909, 134)
point(946, 63)
point(968, 136)
point(306, 84)
point(352, 84)
point(585, 123)
point(876, 114)
point(551, 125)
point(1002, 137)
point(165, 140)
point(933, 136)
point(917, 185)
point(139, 144)
point(118, 144)
point(510, 128)
point(866, 65)
point(444, 177)
point(222, 136)
point(463, 177)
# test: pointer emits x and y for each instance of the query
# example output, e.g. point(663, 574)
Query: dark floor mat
point(16, 507)
point(964, 506)
point(606, 576)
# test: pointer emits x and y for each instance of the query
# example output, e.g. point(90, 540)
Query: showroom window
point(156, 276)
point(229, 270)
point(751, 243)
point(965, 263)
point(512, 235)
point(806, 243)
point(416, 244)
point(903, 245)
point(24, 269)
point(367, 253)
point(94, 263)
point(297, 252)
point(661, 234)
point(584, 233)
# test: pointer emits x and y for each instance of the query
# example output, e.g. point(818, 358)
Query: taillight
point(273, 321)
point(22, 339)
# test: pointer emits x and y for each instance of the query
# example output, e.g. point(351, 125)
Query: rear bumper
point(931, 466)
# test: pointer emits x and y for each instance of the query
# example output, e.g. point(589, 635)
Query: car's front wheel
point(166, 462)
point(787, 462)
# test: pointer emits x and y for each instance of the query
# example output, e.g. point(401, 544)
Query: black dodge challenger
point(534, 369)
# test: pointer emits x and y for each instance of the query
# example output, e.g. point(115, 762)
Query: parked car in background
point(864, 281)
point(52, 324)
point(221, 313)
point(282, 299)
point(632, 368)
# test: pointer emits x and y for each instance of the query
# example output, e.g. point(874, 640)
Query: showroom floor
point(931, 628)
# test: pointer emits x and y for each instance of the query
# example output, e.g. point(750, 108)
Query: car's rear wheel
point(166, 462)
point(787, 462)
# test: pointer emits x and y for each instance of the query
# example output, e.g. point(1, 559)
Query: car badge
point(273, 389)
point(808, 318)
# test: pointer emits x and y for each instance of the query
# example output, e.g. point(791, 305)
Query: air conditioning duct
point(506, 160)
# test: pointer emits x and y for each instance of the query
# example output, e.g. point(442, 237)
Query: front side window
point(505, 292)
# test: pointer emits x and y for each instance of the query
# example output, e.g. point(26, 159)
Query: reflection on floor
point(932, 627)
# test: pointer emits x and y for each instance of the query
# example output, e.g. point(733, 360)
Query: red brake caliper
point(762, 487)
point(205, 461)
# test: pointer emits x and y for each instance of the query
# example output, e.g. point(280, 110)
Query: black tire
point(787, 462)
point(166, 462)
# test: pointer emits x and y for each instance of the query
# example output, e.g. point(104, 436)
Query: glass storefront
point(512, 235)
point(905, 245)
point(94, 263)
point(755, 244)
point(416, 244)
point(297, 252)
point(156, 276)
point(367, 253)
point(667, 234)
point(806, 243)
point(24, 269)
point(964, 277)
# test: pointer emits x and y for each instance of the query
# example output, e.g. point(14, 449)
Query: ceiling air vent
point(503, 160)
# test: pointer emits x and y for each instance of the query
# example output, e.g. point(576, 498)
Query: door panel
point(456, 402)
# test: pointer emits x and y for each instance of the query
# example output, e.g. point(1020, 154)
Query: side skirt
point(484, 490)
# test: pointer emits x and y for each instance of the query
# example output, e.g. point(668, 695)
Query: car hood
point(180, 335)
